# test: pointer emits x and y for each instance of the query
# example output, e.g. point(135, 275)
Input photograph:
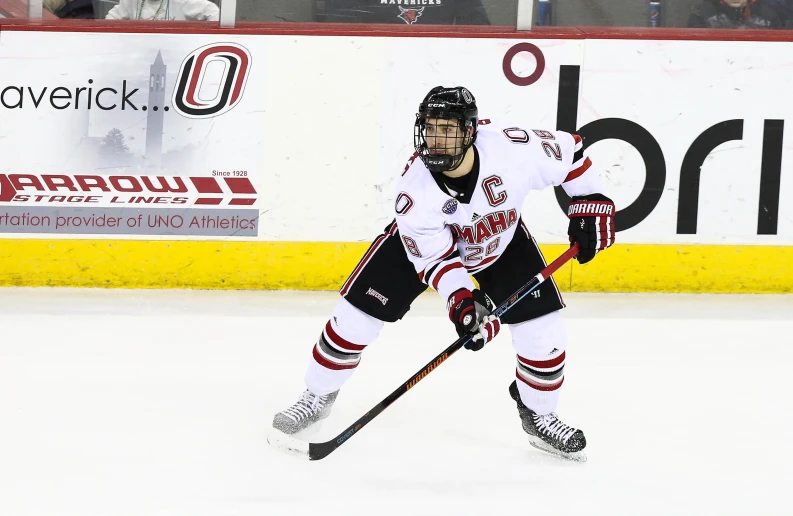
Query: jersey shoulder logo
point(450, 206)
point(403, 203)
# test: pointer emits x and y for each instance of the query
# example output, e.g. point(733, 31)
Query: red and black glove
point(470, 313)
point(591, 224)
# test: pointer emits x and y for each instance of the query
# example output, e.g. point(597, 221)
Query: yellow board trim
point(325, 266)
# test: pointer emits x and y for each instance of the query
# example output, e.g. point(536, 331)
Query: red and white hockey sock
point(338, 350)
point(540, 345)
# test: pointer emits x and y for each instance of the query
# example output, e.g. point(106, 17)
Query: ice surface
point(118, 402)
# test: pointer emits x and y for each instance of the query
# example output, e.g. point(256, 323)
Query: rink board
point(325, 266)
point(147, 180)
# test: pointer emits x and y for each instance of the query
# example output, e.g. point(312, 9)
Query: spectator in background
point(70, 8)
point(164, 10)
point(410, 12)
point(785, 10)
point(736, 14)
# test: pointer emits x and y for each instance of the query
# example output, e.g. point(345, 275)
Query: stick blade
point(288, 444)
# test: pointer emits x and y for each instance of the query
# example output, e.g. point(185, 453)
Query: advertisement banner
point(312, 132)
point(270, 161)
point(134, 139)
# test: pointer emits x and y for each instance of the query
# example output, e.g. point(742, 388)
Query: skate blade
point(541, 445)
point(287, 444)
point(310, 433)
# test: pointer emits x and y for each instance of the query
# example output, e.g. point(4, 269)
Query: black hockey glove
point(591, 224)
point(470, 313)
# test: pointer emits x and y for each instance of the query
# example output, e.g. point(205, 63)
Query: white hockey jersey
point(449, 235)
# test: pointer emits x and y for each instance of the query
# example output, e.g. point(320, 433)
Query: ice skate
point(307, 411)
point(548, 433)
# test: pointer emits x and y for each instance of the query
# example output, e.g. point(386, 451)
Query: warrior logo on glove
point(591, 224)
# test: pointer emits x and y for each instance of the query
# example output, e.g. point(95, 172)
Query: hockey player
point(458, 213)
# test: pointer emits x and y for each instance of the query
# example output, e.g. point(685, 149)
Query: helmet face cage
point(448, 150)
point(440, 148)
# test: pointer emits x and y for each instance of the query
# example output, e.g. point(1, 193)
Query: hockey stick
point(317, 451)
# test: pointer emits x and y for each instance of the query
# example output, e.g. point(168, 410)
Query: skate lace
point(553, 427)
point(306, 406)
